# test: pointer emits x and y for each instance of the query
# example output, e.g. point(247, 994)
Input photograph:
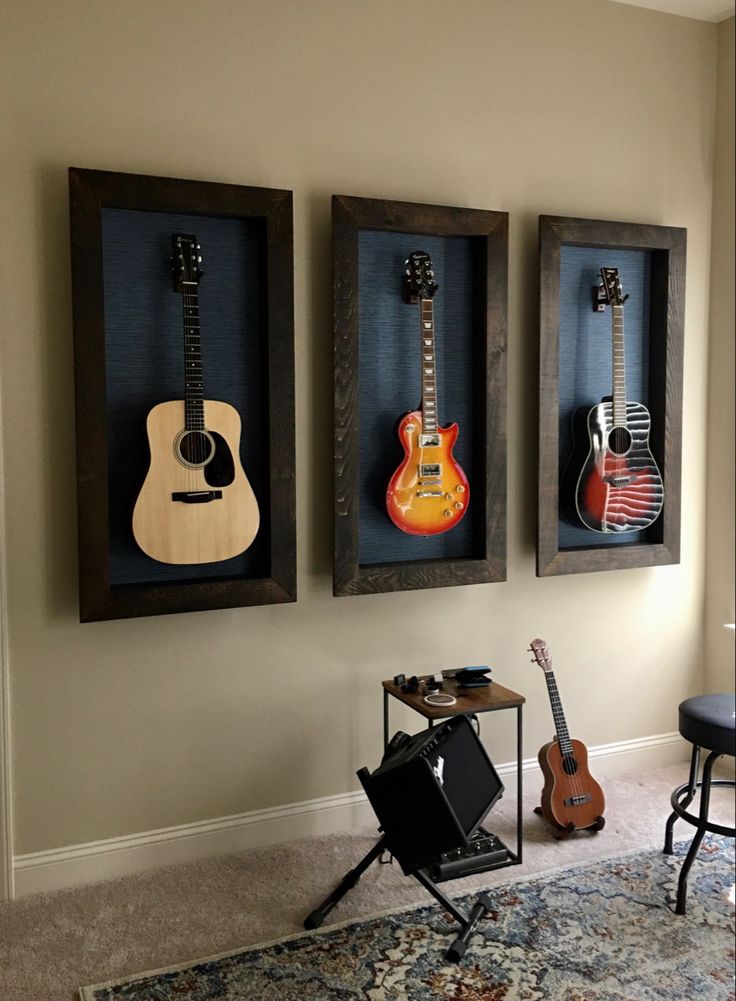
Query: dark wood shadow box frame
point(575, 371)
point(128, 352)
point(377, 379)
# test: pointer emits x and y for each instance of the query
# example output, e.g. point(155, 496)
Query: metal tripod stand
point(468, 922)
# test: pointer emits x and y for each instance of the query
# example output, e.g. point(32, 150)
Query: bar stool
point(707, 721)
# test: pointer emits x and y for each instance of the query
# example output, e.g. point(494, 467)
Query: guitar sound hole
point(195, 447)
point(569, 765)
point(619, 440)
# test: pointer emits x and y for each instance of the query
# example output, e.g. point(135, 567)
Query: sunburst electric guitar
point(616, 486)
point(196, 504)
point(428, 493)
point(572, 800)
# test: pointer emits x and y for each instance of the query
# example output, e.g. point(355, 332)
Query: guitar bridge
point(619, 481)
point(197, 496)
point(577, 800)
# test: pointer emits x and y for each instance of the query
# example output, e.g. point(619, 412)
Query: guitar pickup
point(429, 493)
point(577, 800)
point(619, 481)
point(429, 440)
point(197, 496)
point(430, 469)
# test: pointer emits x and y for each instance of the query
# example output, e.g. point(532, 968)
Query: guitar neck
point(429, 368)
point(193, 395)
point(619, 367)
point(563, 736)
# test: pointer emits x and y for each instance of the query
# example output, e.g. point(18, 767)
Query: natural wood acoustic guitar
point(429, 493)
point(572, 800)
point(196, 504)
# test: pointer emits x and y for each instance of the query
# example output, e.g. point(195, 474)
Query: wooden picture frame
point(108, 210)
point(371, 554)
point(566, 304)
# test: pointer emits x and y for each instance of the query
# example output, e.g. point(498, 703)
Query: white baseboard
point(77, 865)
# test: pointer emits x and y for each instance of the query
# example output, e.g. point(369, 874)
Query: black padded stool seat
point(707, 721)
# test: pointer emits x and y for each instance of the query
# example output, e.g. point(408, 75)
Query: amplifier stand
point(468, 923)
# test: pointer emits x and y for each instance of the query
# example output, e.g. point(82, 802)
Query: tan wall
point(578, 107)
point(719, 607)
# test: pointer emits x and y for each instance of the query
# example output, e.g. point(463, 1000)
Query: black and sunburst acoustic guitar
point(196, 504)
point(572, 800)
point(612, 482)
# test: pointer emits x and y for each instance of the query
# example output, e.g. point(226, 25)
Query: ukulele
point(196, 504)
point(572, 800)
point(619, 487)
point(428, 494)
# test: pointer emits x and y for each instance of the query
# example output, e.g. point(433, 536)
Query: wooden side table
point(469, 700)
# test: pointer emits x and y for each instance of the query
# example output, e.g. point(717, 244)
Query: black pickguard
point(220, 470)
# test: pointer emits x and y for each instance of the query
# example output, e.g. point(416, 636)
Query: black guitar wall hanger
point(602, 297)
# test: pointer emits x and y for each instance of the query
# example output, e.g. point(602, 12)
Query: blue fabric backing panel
point(390, 382)
point(145, 365)
point(586, 372)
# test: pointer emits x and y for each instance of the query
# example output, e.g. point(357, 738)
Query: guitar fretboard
point(563, 736)
point(429, 373)
point(619, 367)
point(193, 395)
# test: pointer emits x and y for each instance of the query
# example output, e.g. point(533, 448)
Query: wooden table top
point(469, 700)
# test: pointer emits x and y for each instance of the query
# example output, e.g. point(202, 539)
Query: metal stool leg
point(693, 785)
point(695, 845)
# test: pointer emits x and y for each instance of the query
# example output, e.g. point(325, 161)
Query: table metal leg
point(385, 720)
point(519, 782)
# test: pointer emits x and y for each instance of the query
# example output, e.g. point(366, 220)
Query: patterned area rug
point(600, 932)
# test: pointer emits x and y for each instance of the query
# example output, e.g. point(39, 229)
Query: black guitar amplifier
point(433, 792)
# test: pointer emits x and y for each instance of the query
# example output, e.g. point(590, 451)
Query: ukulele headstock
point(541, 655)
point(419, 280)
point(609, 291)
point(185, 261)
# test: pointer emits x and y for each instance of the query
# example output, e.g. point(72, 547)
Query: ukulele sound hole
point(195, 448)
point(619, 441)
point(569, 765)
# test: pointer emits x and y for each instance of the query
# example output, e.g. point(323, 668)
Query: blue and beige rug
point(600, 932)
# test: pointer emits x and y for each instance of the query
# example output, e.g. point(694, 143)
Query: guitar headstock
point(185, 261)
point(419, 280)
point(609, 291)
point(541, 655)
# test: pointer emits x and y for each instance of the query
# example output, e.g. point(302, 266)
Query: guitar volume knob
point(459, 505)
point(447, 513)
point(448, 497)
point(460, 488)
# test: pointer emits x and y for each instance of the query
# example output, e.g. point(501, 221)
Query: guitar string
point(619, 463)
point(434, 365)
point(566, 757)
point(575, 784)
point(192, 302)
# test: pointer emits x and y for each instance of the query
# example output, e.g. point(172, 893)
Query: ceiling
point(702, 10)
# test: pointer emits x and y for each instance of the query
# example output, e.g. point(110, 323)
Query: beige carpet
point(51, 944)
